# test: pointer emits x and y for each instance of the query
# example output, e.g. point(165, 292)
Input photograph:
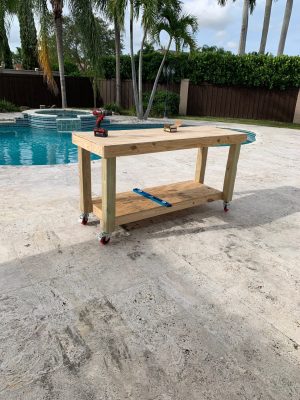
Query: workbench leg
point(230, 174)
point(201, 164)
point(108, 195)
point(84, 163)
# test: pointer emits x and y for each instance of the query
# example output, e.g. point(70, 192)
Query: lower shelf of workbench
point(131, 207)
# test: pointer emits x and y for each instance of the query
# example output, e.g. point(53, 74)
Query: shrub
point(250, 70)
point(7, 106)
point(164, 102)
point(112, 107)
point(71, 68)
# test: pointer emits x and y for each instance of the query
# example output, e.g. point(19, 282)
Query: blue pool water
point(28, 146)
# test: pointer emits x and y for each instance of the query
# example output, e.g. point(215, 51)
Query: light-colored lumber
point(230, 174)
point(131, 207)
point(84, 163)
point(108, 194)
point(134, 142)
point(201, 164)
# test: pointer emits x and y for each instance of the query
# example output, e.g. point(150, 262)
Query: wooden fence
point(240, 102)
point(25, 88)
point(29, 89)
point(108, 90)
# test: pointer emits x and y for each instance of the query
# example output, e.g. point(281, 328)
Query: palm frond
point(82, 11)
point(43, 50)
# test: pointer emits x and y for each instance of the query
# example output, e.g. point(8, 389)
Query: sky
point(220, 26)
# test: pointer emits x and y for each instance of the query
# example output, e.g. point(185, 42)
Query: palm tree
point(115, 11)
point(57, 10)
point(285, 26)
point(266, 24)
point(133, 71)
point(150, 12)
point(156, 16)
point(180, 28)
point(82, 11)
point(248, 6)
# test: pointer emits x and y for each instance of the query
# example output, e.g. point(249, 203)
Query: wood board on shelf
point(131, 207)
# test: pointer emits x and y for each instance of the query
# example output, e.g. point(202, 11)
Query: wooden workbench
point(117, 209)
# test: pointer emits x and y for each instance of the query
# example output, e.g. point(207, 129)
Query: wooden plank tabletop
point(133, 142)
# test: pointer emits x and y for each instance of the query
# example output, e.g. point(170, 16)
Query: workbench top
point(134, 142)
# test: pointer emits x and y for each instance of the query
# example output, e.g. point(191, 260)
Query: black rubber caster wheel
point(84, 218)
point(104, 240)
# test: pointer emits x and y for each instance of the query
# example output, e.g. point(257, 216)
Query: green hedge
point(250, 70)
point(164, 102)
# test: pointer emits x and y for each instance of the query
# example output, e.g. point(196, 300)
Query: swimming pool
point(29, 146)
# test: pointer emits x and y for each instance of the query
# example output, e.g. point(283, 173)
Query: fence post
point(296, 119)
point(184, 93)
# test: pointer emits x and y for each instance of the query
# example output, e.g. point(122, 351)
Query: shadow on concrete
point(248, 209)
point(88, 336)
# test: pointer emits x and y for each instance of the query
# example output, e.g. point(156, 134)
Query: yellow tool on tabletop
point(172, 128)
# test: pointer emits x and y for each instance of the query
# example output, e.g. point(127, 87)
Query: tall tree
point(76, 55)
point(28, 34)
point(5, 53)
point(133, 70)
point(180, 28)
point(57, 10)
point(285, 26)
point(266, 24)
point(248, 7)
point(244, 28)
point(157, 16)
point(82, 11)
point(115, 10)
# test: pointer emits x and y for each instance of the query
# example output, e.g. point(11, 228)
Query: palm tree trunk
point(146, 115)
point(133, 71)
point(60, 56)
point(118, 61)
point(285, 26)
point(264, 35)
point(94, 84)
point(140, 76)
point(244, 29)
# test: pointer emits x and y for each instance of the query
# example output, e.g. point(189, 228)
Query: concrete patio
point(196, 305)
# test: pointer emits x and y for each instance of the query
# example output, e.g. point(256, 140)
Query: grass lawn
point(276, 124)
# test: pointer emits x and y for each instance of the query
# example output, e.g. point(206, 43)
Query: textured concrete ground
point(197, 305)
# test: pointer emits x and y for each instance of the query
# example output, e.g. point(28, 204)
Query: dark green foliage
point(71, 68)
point(7, 56)
point(28, 35)
point(7, 106)
point(5, 53)
point(76, 49)
point(112, 107)
point(165, 102)
point(218, 68)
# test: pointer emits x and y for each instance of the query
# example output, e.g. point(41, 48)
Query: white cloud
point(209, 13)
point(221, 34)
point(231, 45)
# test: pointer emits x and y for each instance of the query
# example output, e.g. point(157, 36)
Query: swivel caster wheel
point(226, 206)
point(103, 238)
point(84, 217)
